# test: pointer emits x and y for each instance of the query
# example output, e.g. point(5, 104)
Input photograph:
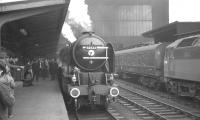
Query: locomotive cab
point(182, 66)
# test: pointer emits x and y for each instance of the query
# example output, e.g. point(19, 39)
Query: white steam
point(77, 20)
point(68, 33)
point(78, 14)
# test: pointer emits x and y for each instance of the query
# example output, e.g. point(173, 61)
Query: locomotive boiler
point(88, 67)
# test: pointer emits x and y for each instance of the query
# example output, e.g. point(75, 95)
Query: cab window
point(187, 42)
point(197, 42)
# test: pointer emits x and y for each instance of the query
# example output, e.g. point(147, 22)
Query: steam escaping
point(78, 15)
point(77, 20)
point(68, 33)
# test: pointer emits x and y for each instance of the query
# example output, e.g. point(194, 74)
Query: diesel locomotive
point(173, 66)
point(87, 72)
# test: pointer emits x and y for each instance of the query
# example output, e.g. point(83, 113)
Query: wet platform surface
point(42, 101)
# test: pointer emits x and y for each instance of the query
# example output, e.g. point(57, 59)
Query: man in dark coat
point(36, 70)
point(53, 67)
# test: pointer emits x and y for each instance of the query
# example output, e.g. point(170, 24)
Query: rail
point(149, 107)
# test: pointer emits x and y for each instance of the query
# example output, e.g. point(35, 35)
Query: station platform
point(42, 101)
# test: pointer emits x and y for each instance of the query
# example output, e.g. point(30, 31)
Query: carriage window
point(187, 42)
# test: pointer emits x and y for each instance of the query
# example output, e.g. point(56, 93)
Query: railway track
point(110, 114)
point(150, 109)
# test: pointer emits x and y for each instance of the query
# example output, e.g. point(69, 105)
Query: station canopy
point(32, 27)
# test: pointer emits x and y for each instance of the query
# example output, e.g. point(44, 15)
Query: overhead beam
point(29, 4)
point(16, 15)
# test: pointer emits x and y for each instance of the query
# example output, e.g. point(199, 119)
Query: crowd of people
point(35, 70)
point(44, 68)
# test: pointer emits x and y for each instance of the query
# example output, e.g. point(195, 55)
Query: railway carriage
point(145, 62)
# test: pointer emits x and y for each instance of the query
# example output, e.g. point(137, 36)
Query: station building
point(122, 22)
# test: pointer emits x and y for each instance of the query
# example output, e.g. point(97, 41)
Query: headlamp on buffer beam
point(75, 92)
point(114, 91)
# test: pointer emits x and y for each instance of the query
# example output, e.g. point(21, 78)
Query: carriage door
point(170, 57)
point(171, 66)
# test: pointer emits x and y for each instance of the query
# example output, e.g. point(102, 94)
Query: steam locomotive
point(173, 66)
point(87, 72)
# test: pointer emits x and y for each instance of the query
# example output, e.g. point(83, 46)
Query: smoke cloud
point(68, 33)
point(78, 14)
point(77, 20)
